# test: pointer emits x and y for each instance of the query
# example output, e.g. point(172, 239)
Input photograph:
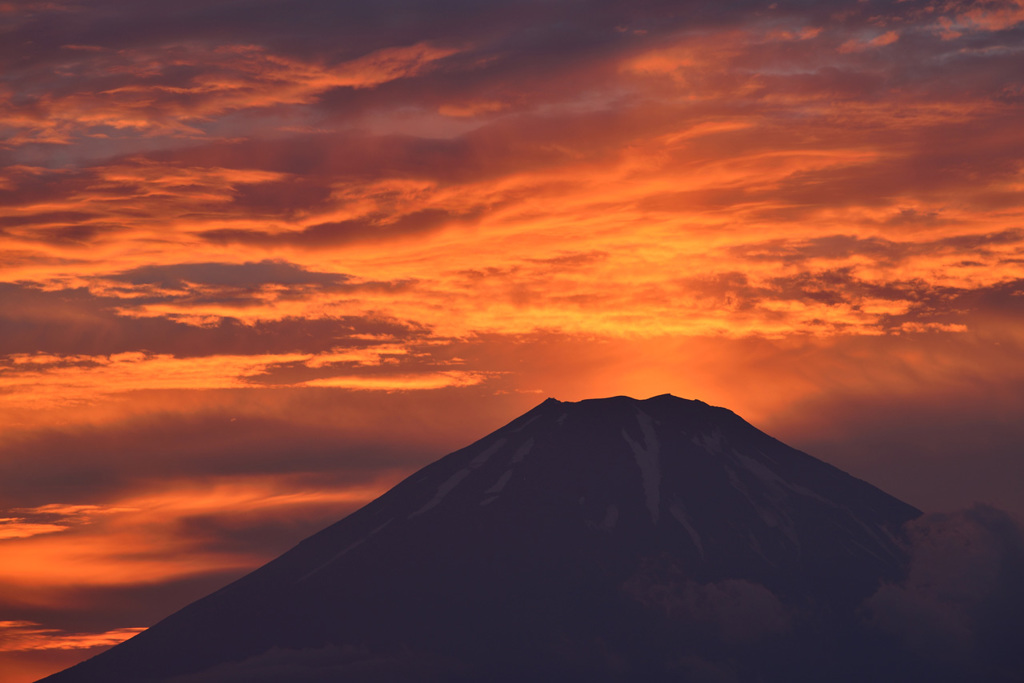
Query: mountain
point(609, 539)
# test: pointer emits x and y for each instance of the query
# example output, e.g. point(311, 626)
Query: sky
point(260, 260)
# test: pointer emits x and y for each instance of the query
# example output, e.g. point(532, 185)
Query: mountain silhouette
point(609, 539)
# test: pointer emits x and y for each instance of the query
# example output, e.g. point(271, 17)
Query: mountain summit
point(609, 539)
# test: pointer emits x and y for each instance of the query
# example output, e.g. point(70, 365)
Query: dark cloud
point(77, 234)
point(960, 612)
point(571, 260)
point(514, 52)
point(46, 217)
point(390, 366)
point(290, 197)
point(734, 611)
point(31, 186)
point(497, 40)
point(101, 608)
point(371, 229)
point(924, 304)
point(348, 27)
point(76, 322)
point(86, 465)
point(516, 144)
point(243, 275)
point(315, 438)
point(915, 167)
point(884, 251)
point(958, 615)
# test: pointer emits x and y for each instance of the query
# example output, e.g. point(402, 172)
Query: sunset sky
point(259, 259)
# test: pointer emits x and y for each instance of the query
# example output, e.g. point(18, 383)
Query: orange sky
point(259, 261)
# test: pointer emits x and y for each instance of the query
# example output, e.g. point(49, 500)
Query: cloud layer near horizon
point(239, 242)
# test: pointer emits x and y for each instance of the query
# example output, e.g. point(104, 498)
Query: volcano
point(608, 539)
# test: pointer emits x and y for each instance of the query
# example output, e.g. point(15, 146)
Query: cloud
point(884, 251)
point(43, 381)
point(18, 636)
point(959, 610)
point(297, 214)
point(734, 611)
point(17, 527)
point(155, 536)
point(75, 322)
point(329, 435)
point(881, 40)
point(345, 232)
point(242, 275)
point(475, 181)
point(959, 17)
point(174, 88)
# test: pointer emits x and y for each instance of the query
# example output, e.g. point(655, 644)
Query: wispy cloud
point(175, 89)
point(20, 636)
point(149, 537)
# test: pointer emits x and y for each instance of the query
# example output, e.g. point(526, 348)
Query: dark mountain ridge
point(609, 539)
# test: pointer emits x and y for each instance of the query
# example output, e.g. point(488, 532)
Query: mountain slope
point(605, 539)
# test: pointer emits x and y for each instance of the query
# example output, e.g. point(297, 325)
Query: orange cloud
point(16, 527)
point(140, 539)
point(470, 109)
point(44, 380)
point(20, 636)
point(966, 16)
point(857, 45)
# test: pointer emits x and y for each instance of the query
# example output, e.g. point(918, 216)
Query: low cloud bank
point(959, 615)
point(956, 616)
